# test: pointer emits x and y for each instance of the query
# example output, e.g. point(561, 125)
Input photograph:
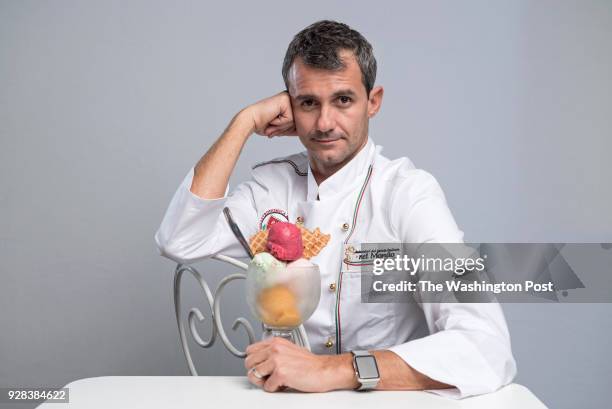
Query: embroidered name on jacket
point(272, 216)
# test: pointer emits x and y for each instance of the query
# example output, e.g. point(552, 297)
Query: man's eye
point(345, 99)
point(307, 103)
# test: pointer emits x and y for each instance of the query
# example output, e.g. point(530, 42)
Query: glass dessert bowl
point(282, 295)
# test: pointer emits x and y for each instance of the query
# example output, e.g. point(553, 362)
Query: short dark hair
point(318, 46)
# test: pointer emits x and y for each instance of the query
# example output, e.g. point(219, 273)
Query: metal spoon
point(237, 232)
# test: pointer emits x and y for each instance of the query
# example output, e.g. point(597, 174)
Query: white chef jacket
point(371, 199)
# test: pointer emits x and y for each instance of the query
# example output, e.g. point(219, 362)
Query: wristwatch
point(366, 370)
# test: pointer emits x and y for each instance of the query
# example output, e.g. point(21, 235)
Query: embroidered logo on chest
point(272, 216)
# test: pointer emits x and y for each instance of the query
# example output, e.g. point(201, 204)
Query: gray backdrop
point(104, 106)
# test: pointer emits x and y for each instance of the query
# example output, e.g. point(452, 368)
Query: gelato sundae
point(283, 285)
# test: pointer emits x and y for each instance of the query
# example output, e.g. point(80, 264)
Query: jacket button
point(300, 220)
point(329, 343)
point(332, 287)
point(345, 226)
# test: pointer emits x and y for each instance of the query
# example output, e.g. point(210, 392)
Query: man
point(344, 186)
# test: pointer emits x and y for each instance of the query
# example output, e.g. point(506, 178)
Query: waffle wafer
point(258, 242)
point(313, 241)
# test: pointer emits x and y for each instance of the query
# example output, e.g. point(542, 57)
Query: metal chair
point(213, 300)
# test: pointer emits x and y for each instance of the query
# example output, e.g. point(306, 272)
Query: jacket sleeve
point(194, 228)
point(469, 344)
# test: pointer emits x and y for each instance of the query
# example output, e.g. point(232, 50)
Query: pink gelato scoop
point(285, 241)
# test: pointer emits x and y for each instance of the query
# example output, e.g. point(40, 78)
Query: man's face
point(331, 111)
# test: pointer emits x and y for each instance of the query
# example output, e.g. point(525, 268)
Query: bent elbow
point(170, 249)
point(181, 252)
point(509, 370)
point(505, 371)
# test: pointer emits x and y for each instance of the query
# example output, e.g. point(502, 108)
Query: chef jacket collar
point(345, 178)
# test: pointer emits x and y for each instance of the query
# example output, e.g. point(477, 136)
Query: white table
point(178, 392)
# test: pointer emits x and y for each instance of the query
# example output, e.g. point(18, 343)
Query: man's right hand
point(270, 117)
point(273, 116)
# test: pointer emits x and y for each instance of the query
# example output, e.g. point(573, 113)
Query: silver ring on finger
point(256, 374)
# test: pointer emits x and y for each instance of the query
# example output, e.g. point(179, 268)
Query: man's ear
point(375, 100)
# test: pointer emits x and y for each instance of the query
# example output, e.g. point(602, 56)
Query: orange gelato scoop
point(277, 307)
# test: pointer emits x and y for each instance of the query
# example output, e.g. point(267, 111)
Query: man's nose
point(325, 122)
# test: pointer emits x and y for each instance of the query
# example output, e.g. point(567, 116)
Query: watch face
point(366, 366)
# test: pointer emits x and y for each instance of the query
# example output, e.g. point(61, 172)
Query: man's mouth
point(326, 141)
